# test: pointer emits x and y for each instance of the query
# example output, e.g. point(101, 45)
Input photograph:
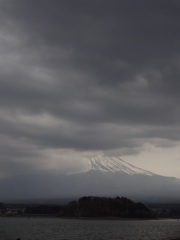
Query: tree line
point(96, 207)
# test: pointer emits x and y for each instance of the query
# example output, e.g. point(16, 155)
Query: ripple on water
point(70, 229)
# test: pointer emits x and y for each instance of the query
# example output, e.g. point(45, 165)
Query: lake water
point(72, 229)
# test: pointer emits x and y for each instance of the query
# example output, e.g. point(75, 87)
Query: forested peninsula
point(96, 207)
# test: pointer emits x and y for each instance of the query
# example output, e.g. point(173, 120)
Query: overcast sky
point(82, 76)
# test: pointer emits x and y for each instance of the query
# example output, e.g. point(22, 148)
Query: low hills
point(94, 207)
point(106, 207)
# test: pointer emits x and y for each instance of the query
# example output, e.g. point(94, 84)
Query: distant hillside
point(112, 176)
point(103, 207)
point(105, 176)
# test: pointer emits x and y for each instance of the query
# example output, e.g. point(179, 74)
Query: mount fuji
point(115, 164)
point(105, 176)
point(111, 176)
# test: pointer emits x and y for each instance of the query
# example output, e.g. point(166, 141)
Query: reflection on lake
point(72, 229)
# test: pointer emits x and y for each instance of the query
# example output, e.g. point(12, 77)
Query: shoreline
point(84, 218)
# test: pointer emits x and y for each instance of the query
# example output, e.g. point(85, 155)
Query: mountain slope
point(115, 164)
point(105, 177)
point(113, 176)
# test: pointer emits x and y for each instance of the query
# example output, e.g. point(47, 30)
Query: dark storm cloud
point(99, 32)
point(89, 75)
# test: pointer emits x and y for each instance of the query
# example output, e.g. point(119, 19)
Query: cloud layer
point(86, 76)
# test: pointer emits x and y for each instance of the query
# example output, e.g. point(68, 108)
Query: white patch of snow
point(115, 164)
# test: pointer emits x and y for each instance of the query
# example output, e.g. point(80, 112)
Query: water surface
point(72, 229)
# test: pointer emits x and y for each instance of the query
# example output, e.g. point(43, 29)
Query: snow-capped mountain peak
point(115, 164)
